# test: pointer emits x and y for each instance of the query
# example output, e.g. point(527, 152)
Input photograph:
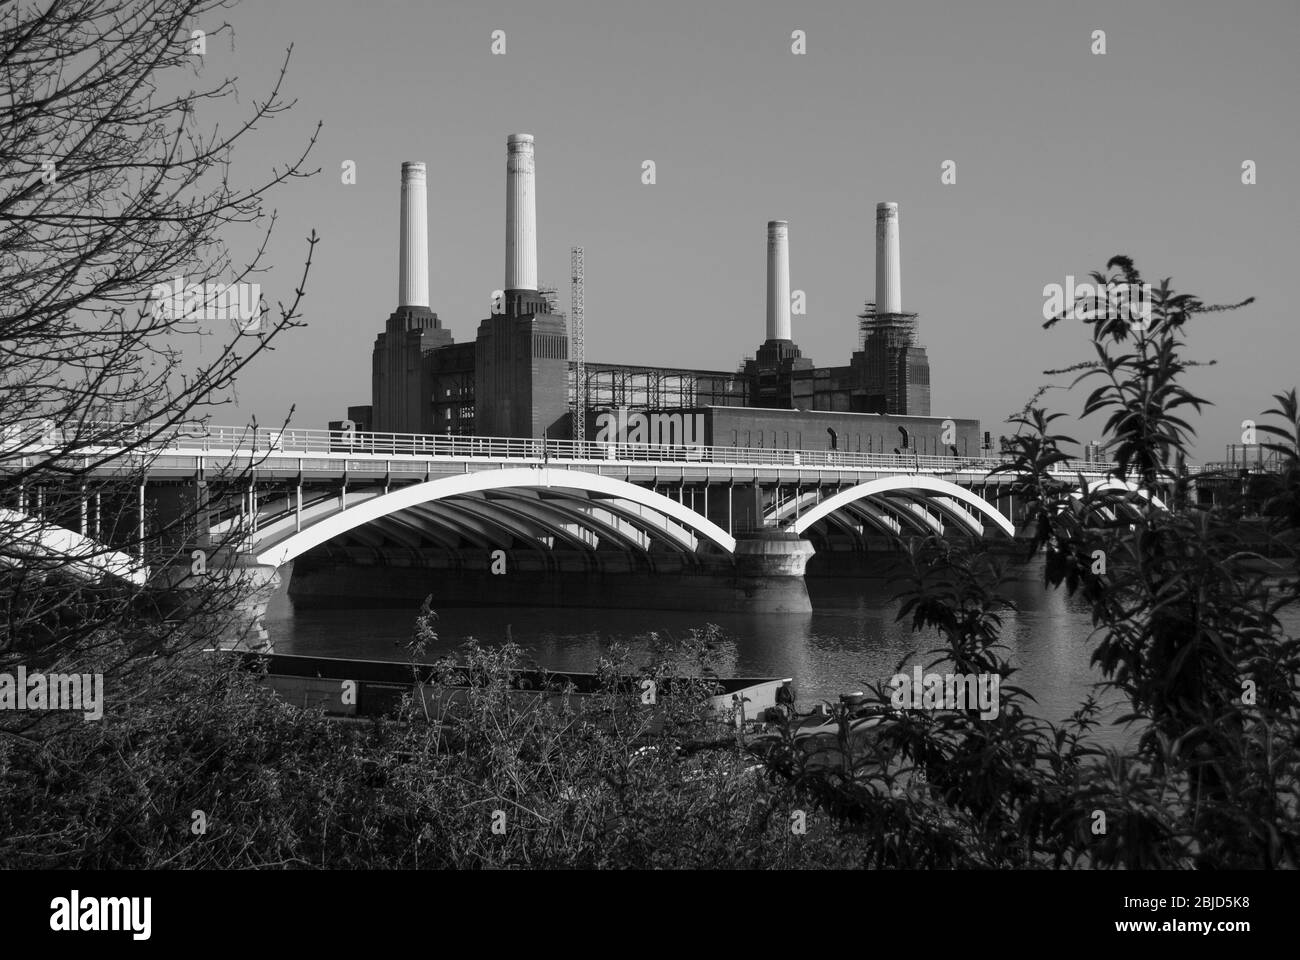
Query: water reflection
point(851, 639)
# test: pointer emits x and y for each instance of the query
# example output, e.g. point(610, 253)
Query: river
point(851, 638)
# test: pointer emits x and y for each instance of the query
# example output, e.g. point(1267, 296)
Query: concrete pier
point(226, 589)
point(243, 628)
point(769, 573)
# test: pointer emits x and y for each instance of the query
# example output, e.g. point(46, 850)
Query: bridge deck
point(334, 455)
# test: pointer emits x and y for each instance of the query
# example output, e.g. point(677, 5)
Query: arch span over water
point(67, 550)
point(1127, 486)
point(278, 542)
point(947, 498)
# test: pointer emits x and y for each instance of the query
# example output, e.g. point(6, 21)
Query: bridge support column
point(225, 592)
point(252, 588)
point(769, 572)
point(745, 509)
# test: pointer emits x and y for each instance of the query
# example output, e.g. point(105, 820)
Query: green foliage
point(1187, 630)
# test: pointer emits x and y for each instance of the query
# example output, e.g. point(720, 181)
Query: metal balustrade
point(221, 439)
point(227, 440)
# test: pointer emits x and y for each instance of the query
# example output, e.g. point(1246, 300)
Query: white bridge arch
point(36, 542)
point(1130, 491)
point(916, 493)
point(625, 512)
point(521, 505)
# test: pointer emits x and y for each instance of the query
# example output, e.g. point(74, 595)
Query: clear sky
point(1063, 158)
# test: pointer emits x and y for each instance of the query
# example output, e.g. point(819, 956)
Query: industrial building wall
point(833, 388)
point(521, 376)
point(396, 381)
point(491, 377)
point(549, 375)
point(362, 417)
point(379, 382)
point(916, 382)
point(855, 432)
point(400, 392)
point(449, 373)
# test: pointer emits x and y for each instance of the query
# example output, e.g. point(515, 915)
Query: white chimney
point(778, 280)
point(521, 214)
point(889, 286)
point(413, 257)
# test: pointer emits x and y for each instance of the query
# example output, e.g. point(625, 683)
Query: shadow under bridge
point(519, 508)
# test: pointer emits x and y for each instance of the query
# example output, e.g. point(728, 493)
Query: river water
point(851, 638)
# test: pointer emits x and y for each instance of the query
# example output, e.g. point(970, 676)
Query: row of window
point(854, 444)
point(550, 347)
point(463, 413)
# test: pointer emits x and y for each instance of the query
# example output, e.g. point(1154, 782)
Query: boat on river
point(368, 688)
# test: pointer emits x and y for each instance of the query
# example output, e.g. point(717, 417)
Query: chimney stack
point(521, 214)
point(413, 257)
point(889, 289)
point(778, 280)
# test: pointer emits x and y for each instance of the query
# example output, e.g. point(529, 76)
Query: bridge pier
point(225, 588)
point(254, 585)
point(769, 575)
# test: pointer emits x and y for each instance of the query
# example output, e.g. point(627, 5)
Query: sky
point(1063, 158)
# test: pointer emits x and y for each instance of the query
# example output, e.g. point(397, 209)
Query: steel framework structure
point(577, 349)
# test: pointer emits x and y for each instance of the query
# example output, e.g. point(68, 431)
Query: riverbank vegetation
point(224, 774)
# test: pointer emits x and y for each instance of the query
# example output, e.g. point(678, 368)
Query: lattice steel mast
point(577, 349)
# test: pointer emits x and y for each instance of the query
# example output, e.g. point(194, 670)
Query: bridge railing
point(222, 439)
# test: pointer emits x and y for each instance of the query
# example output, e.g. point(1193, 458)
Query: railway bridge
point(265, 498)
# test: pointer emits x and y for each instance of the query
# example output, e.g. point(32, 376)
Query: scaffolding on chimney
point(897, 329)
point(578, 349)
point(551, 295)
point(882, 337)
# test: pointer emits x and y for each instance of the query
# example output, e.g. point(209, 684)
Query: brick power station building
point(515, 379)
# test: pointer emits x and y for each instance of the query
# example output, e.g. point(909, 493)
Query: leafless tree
point(113, 183)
